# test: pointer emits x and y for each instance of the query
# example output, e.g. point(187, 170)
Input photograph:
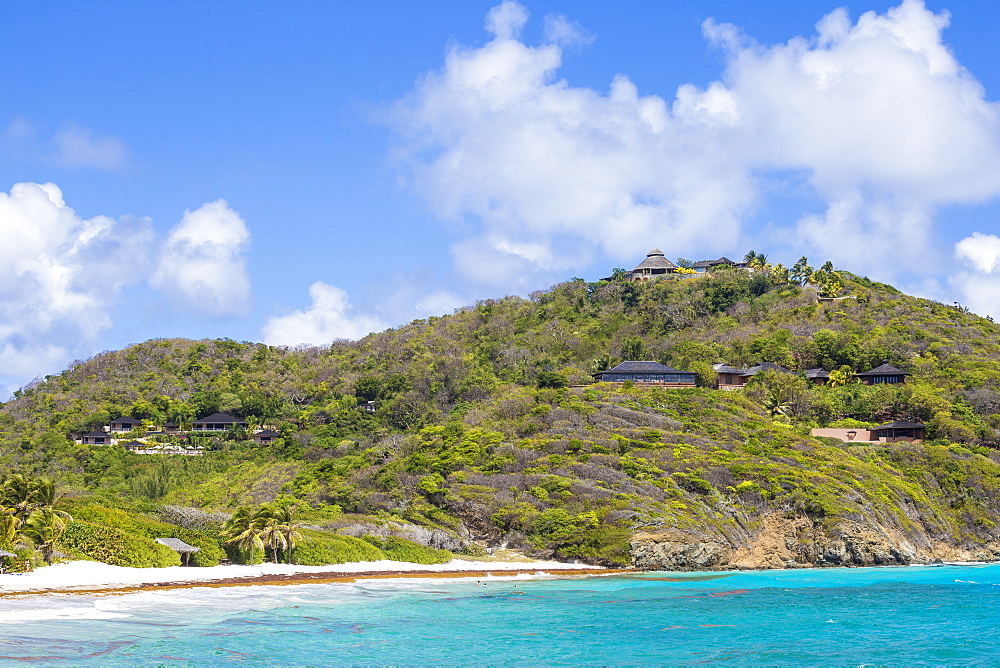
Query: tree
point(242, 532)
point(284, 516)
point(633, 348)
point(44, 527)
point(269, 530)
point(551, 379)
point(780, 393)
point(801, 272)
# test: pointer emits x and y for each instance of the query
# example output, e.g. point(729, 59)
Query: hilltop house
point(731, 378)
point(265, 437)
point(900, 431)
point(647, 372)
point(123, 424)
point(96, 438)
point(654, 266)
point(217, 422)
point(817, 376)
point(705, 266)
point(883, 375)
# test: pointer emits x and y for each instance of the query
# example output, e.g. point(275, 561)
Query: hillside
point(475, 440)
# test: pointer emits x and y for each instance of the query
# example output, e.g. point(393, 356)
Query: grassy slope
point(463, 439)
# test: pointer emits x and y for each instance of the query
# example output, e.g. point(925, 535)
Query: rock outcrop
point(789, 542)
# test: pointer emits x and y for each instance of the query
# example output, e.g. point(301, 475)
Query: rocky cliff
point(792, 542)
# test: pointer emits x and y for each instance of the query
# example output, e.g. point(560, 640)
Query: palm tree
point(266, 521)
point(242, 531)
point(9, 526)
point(19, 493)
point(44, 527)
point(284, 515)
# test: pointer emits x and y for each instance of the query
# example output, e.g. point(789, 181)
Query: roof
point(884, 370)
point(725, 368)
point(136, 444)
point(817, 373)
point(655, 260)
point(764, 366)
point(97, 433)
point(267, 432)
point(130, 420)
point(216, 418)
point(899, 424)
point(642, 367)
point(713, 263)
point(5, 553)
point(177, 545)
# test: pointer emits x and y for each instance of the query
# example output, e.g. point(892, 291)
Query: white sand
point(83, 574)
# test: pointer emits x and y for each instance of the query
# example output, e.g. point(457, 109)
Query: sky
point(300, 172)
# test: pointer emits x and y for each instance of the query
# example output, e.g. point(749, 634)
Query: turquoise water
point(920, 615)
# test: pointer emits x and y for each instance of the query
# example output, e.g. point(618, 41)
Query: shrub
point(320, 549)
point(400, 549)
point(116, 547)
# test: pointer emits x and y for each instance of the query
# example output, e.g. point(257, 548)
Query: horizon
point(282, 171)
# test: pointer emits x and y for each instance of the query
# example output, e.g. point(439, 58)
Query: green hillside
point(488, 431)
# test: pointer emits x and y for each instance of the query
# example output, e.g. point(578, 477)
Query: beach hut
point(3, 555)
point(180, 547)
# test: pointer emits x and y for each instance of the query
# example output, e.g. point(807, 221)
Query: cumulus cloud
point(978, 281)
point(877, 117)
point(330, 317)
point(202, 264)
point(59, 275)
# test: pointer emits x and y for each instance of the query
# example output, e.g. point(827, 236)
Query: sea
point(927, 615)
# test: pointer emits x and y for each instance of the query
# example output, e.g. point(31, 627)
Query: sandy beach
point(91, 576)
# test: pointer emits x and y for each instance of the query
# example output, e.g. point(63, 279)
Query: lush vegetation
point(487, 427)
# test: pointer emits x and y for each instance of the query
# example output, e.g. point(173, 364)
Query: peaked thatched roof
point(177, 545)
point(884, 370)
point(817, 373)
point(655, 260)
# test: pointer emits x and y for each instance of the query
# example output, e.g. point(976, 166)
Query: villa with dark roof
point(817, 376)
point(884, 374)
point(705, 266)
point(731, 378)
point(125, 423)
point(217, 422)
point(652, 373)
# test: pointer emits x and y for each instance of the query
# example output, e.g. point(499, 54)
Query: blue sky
point(297, 172)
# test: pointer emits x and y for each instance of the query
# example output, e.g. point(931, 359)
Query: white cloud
point(59, 276)
point(982, 250)
point(560, 30)
point(878, 115)
point(440, 302)
point(979, 282)
point(202, 265)
point(79, 147)
point(330, 317)
point(72, 146)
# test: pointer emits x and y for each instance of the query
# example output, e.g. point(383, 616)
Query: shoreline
point(95, 578)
